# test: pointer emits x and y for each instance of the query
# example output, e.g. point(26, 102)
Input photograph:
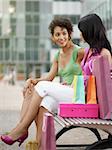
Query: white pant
point(53, 93)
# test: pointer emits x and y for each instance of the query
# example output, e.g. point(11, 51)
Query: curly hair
point(61, 22)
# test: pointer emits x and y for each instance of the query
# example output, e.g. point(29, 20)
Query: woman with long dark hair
point(93, 32)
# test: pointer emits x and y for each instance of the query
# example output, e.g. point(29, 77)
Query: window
point(13, 3)
point(13, 20)
point(21, 56)
point(36, 18)
point(27, 55)
point(28, 44)
point(67, 0)
point(29, 19)
point(75, 19)
point(6, 43)
point(0, 30)
point(14, 55)
point(29, 30)
point(13, 29)
point(1, 44)
point(32, 6)
point(1, 55)
point(35, 55)
point(36, 30)
point(36, 6)
point(35, 43)
point(7, 55)
point(28, 6)
point(13, 6)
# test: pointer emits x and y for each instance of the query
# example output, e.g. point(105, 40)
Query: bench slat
point(80, 121)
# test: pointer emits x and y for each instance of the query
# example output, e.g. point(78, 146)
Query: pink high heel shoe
point(8, 140)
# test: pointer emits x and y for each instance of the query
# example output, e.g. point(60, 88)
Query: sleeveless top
point(67, 73)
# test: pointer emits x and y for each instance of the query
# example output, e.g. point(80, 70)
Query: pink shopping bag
point(78, 110)
point(48, 141)
point(101, 70)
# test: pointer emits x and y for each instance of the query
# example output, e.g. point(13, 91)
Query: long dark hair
point(94, 32)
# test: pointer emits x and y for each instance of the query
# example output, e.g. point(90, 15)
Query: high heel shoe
point(8, 140)
point(22, 138)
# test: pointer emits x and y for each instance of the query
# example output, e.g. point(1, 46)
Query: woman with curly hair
point(46, 95)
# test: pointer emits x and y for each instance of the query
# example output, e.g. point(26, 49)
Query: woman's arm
point(51, 75)
point(80, 55)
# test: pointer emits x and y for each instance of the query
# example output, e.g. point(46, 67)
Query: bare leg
point(39, 117)
point(28, 118)
point(39, 122)
point(26, 103)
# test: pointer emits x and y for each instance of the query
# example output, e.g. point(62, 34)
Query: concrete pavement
point(10, 105)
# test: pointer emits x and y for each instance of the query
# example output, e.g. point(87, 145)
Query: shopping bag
point(48, 141)
point(79, 90)
point(91, 90)
point(101, 71)
point(78, 110)
point(31, 145)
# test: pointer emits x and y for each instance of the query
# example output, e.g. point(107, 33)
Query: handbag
point(48, 141)
point(79, 90)
point(101, 71)
point(91, 90)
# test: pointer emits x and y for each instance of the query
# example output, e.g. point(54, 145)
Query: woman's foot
point(8, 139)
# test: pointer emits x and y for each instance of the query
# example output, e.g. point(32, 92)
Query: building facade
point(104, 9)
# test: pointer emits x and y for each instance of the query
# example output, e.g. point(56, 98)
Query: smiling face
point(60, 36)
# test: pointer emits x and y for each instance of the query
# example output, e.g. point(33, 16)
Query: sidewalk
point(10, 105)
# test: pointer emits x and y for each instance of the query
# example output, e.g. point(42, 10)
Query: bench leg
point(102, 144)
point(65, 129)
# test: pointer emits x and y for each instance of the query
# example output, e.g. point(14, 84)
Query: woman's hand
point(72, 85)
point(29, 84)
point(64, 83)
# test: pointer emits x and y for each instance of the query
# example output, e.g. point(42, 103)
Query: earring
point(69, 38)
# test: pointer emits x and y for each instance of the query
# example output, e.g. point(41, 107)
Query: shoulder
point(56, 56)
point(81, 52)
point(105, 52)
